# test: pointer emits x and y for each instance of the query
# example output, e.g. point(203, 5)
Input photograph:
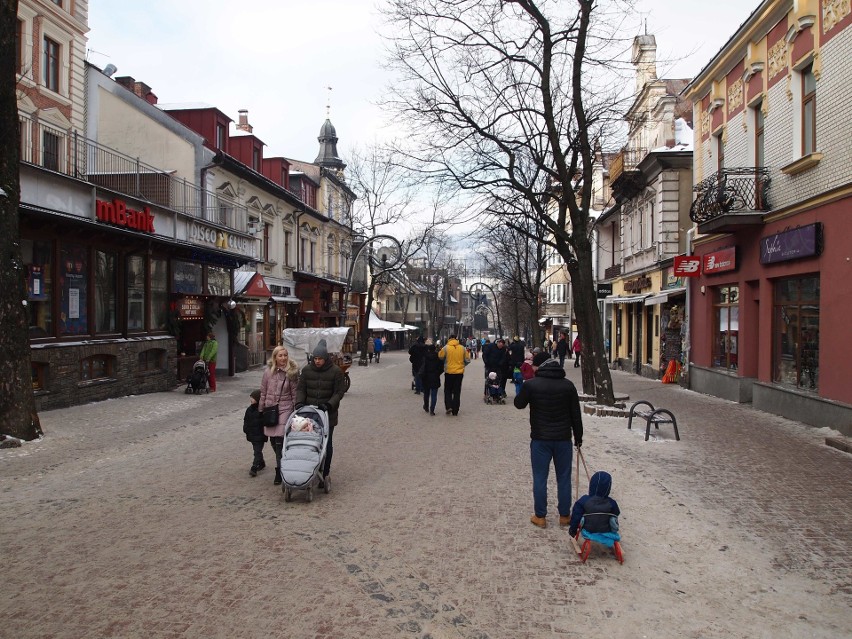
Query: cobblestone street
point(137, 517)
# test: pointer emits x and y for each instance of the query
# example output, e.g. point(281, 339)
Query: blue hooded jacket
point(597, 507)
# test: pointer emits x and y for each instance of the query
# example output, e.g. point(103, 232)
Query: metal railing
point(741, 189)
point(76, 156)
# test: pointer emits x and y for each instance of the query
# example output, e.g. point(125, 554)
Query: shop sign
point(638, 284)
point(117, 212)
point(191, 308)
point(805, 241)
point(218, 238)
point(687, 266)
point(604, 289)
point(720, 261)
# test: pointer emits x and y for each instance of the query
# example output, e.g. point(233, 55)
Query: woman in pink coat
point(280, 379)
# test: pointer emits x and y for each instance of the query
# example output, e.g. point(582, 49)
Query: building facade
point(773, 171)
point(639, 237)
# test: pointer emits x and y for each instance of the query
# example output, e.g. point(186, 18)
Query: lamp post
point(475, 289)
point(391, 255)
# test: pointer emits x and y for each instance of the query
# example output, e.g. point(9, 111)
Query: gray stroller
point(304, 452)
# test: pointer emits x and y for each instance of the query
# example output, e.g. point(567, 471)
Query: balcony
point(612, 272)
point(83, 159)
point(625, 178)
point(731, 199)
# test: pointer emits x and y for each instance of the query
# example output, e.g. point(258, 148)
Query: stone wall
point(65, 381)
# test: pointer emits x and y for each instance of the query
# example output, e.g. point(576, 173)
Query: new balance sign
point(687, 266)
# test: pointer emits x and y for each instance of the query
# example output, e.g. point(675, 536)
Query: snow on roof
point(183, 106)
point(683, 132)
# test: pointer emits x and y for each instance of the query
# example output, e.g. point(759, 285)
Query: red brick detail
point(775, 36)
point(803, 45)
point(734, 76)
point(755, 85)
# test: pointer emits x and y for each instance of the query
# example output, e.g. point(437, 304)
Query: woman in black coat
point(431, 377)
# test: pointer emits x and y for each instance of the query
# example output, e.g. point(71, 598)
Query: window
point(726, 314)
point(97, 367)
point(105, 306)
point(796, 332)
point(135, 293)
point(51, 144)
point(58, 3)
point(73, 279)
point(556, 293)
point(303, 255)
point(218, 281)
point(38, 260)
point(720, 151)
point(19, 46)
point(255, 159)
point(330, 259)
point(313, 254)
point(759, 157)
point(267, 232)
point(39, 375)
point(51, 65)
point(288, 237)
point(159, 311)
point(808, 111)
point(220, 136)
point(153, 360)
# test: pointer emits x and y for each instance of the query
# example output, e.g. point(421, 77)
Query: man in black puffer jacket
point(322, 384)
point(554, 416)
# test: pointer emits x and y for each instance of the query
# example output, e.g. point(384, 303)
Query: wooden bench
point(651, 415)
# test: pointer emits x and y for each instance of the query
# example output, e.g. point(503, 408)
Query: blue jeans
point(541, 452)
point(418, 383)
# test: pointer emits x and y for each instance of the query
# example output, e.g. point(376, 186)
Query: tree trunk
point(17, 403)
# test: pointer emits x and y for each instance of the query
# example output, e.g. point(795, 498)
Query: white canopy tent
point(376, 324)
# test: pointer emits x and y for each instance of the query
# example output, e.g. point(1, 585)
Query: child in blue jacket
point(597, 510)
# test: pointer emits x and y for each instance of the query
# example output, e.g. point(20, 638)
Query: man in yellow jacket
point(455, 359)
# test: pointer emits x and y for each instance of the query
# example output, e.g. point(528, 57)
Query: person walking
point(278, 386)
point(430, 373)
point(371, 348)
point(555, 416)
point(322, 384)
point(415, 355)
point(455, 359)
point(253, 429)
point(577, 347)
point(516, 352)
point(208, 353)
point(562, 348)
point(378, 346)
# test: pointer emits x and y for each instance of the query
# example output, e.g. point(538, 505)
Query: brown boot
point(564, 521)
point(541, 522)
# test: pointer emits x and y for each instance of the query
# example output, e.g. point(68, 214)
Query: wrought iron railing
point(74, 155)
point(734, 190)
point(612, 271)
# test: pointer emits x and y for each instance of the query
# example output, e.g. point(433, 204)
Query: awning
point(376, 324)
point(544, 320)
point(286, 299)
point(663, 296)
point(625, 299)
point(251, 285)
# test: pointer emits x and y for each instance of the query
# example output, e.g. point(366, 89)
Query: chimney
point(243, 124)
point(126, 81)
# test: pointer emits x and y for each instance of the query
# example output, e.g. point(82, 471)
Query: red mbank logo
point(117, 212)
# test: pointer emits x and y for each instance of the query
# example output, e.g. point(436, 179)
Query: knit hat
point(492, 375)
point(255, 395)
point(539, 359)
point(321, 350)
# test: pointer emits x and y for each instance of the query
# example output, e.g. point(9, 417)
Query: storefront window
point(186, 278)
point(105, 309)
point(218, 281)
point(726, 313)
point(796, 333)
point(136, 293)
point(159, 295)
point(73, 285)
point(38, 259)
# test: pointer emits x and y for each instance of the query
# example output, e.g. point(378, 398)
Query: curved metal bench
point(651, 415)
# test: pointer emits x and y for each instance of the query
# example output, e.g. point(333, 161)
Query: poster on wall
point(73, 317)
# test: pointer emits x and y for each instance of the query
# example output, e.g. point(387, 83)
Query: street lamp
point(476, 290)
point(390, 249)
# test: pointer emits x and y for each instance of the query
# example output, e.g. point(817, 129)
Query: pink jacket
point(276, 386)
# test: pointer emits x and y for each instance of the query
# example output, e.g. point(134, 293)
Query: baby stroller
point(493, 392)
point(304, 452)
point(197, 380)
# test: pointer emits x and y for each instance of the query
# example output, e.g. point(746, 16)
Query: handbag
point(269, 416)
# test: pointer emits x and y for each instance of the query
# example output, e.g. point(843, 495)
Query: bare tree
point(17, 403)
point(519, 261)
point(508, 99)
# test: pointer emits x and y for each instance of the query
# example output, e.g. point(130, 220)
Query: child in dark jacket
point(253, 428)
point(597, 511)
